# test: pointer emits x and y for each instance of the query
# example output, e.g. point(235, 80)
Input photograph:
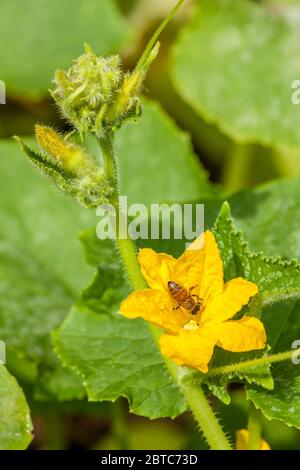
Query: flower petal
point(189, 348)
point(242, 335)
point(188, 270)
point(212, 279)
point(242, 440)
point(222, 307)
point(200, 266)
point(156, 268)
point(152, 305)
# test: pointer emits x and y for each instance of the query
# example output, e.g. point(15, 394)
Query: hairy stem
point(254, 427)
point(193, 394)
point(205, 417)
point(110, 166)
point(125, 245)
point(283, 356)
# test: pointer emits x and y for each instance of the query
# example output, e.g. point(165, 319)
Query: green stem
point(127, 252)
point(201, 409)
point(110, 166)
point(193, 394)
point(235, 175)
point(197, 402)
point(119, 426)
point(254, 427)
point(125, 246)
point(205, 417)
point(156, 35)
point(284, 356)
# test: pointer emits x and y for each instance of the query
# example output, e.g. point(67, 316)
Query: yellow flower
point(190, 339)
point(242, 439)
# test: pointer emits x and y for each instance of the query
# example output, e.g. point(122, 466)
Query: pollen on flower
point(192, 325)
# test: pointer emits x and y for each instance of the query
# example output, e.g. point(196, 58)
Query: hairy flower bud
point(69, 166)
point(70, 156)
point(85, 90)
point(95, 95)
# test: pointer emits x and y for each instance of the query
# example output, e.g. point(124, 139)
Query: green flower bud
point(84, 91)
point(96, 96)
point(69, 167)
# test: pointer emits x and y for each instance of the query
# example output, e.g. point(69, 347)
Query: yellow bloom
point(242, 439)
point(190, 339)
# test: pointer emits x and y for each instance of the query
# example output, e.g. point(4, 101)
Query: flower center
point(192, 325)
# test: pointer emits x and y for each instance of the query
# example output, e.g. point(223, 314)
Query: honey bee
point(190, 302)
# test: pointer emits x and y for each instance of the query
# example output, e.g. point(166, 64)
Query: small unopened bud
point(152, 56)
point(68, 155)
point(126, 102)
point(69, 167)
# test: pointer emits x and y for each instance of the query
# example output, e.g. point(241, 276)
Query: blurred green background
point(217, 107)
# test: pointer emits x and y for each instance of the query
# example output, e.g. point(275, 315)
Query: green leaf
point(263, 215)
point(269, 217)
point(258, 375)
point(15, 422)
point(49, 34)
point(41, 271)
point(115, 357)
point(55, 382)
point(37, 218)
point(156, 150)
point(284, 401)
point(276, 280)
point(281, 319)
point(240, 74)
point(32, 302)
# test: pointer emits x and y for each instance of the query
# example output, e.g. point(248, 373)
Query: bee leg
point(176, 308)
point(196, 296)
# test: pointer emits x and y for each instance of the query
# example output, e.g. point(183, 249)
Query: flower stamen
point(192, 325)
